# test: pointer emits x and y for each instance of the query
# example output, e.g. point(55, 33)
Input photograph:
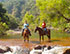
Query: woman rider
point(44, 26)
point(25, 26)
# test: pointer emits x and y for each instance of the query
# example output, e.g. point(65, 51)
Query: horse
point(42, 33)
point(26, 35)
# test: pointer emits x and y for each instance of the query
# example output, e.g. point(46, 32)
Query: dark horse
point(42, 33)
point(26, 35)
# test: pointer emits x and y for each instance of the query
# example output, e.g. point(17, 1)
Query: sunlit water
point(57, 38)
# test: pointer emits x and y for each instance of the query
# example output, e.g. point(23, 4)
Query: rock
point(67, 51)
point(55, 50)
point(26, 51)
point(37, 51)
point(4, 49)
point(50, 50)
point(13, 50)
point(37, 47)
point(49, 47)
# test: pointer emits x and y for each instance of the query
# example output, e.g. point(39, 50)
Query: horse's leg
point(40, 38)
point(24, 38)
point(43, 38)
point(49, 38)
point(28, 38)
point(48, 35)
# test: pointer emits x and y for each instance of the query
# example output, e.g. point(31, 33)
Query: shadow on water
point(35, 42)
point(38, 42)
point(55, 40)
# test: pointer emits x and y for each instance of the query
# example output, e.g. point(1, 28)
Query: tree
point(3, 20)
point(28, 17)
point(18, 8)
point(6, 21)
point(13, 22)
point(3, 28)
point(3, 16)
point(55, 11)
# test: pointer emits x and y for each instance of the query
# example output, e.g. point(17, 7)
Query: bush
point(3, 28)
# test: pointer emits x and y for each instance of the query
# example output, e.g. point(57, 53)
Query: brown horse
point(26, 35)
point(42, 33)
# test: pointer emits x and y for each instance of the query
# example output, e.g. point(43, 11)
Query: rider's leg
point(45, 29)
point(22, 32)
point(29, 30)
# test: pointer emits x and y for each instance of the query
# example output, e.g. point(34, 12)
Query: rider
point(25, 26)
point(44, 26)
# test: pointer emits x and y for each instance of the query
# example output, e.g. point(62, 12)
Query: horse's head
point(36, 29)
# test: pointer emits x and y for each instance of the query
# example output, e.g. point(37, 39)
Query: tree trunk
point(68, 19)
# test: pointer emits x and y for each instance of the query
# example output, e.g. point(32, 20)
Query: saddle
point(45, 30)
point(25, 30)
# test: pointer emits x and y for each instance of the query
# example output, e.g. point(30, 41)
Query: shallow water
point(57, 38)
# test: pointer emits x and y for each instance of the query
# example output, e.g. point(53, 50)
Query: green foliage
point(18, 8)
point(13, 22)
point(6, 21)
point(35, 12)
point(28, 17)
point(3, 16)
point(3, 20)
point(68, 25)
point(30, 20)
point(3, 28)
point(49, 11)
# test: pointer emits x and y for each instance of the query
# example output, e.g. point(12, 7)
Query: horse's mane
point(40, 28)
